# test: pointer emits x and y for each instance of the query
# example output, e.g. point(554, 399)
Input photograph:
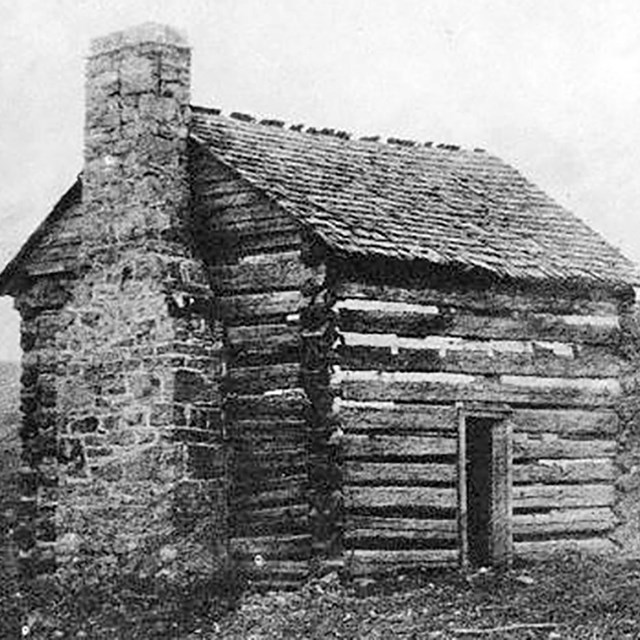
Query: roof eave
point(11, 274)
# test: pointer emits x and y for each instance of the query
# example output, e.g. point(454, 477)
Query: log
point(254, 380)
point(252, 218)
point(287, 517)
point(294, 494)
point(213, 186)
point(288, 403)
point(263, 344)
point(588, 329)
point(240, 195)
point(264, 470)
point(358, 527)
point(406, 417)
point(228, 221)
point(452, 387)
point(284, 433)
point(596, 423)
point(272, 547)
point(562, 496)
point(508, 299)
point(267, 425)
point(378, 446)
point(361, 561)
point(268, 272)
point(248, 484)
point(468, 357)
point(273, 241)
point(270, 456)
point(559, 471)
point(244, 336)
point(397, 472)
point(274, 571)
point(564, 521)
point(526, 446)
point(403, 323)
point(414, 497)
point(257, 307)
point(544, 549)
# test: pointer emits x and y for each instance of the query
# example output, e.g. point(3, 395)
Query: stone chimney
point(123, 432)
point(137, 109)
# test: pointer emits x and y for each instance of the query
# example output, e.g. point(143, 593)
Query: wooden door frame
point(501, 481)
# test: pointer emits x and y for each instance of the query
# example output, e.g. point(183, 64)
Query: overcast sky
point(551, 86)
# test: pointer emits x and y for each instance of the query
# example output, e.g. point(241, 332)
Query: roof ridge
point(339, 134)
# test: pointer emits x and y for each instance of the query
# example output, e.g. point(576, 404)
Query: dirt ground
point(568, 598)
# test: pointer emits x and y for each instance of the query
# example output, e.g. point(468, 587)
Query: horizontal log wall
point(256, 273)
point(262, 288)
point(407, 355)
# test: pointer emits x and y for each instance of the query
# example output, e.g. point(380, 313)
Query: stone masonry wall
point(121, 398)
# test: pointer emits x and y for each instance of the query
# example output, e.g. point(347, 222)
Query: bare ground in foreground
point(566, 598)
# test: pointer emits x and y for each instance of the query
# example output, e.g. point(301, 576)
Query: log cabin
point(290, 350)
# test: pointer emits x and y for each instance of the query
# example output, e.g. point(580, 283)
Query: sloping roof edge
point(72, 196)
point(343, 234)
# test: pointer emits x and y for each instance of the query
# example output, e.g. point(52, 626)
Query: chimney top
point(149, 32)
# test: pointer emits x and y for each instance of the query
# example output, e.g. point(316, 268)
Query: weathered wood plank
point(400, 528)
point(364, 561)
point(252, 520)
point(424, 497)
point(254, 380)
point(371, 446)
point(245, 484)
point(289, 403)
point(227, 220)
point(257, 307)
point(462, 488)
point(566, 521)
point(501, 493)
point(274, 455)
point(267, 425)
point(245, 473)
point(263, 344)
point(562, 496)
point(543, 549)
point(588, 329)
point(406, 417)
point(453, 387)
point(526, 446)
point(293, 493)
point(397, 472)
point(257, 215)
point(279, 271)
point(240, 195)
point(273, 572)
point(565, 421)
point(480, 358)
point(508, 299)
point(283, 240)
point(256, 334)
point(564, 471)
point(272, 547)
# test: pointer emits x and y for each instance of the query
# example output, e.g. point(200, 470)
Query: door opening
point(484, 488)
point(479, 483)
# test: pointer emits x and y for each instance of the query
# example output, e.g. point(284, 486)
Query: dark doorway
point(479, 456)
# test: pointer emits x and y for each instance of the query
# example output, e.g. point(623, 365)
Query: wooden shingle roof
point(439, 204)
